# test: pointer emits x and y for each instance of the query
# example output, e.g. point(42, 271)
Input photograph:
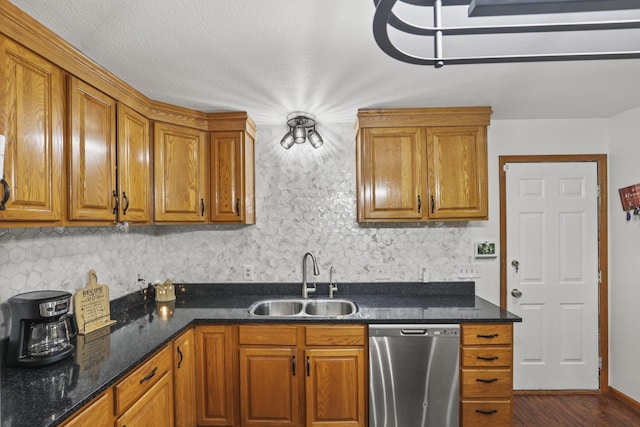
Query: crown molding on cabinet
point(22, 28)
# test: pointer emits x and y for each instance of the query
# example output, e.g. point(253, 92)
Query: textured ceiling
point(272, 57)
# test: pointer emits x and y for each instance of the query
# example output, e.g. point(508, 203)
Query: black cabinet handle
point(293, 365)
point(491, 336)
point(201, 207)
point(488, 359)
point(126, 203)
point(7, 193)
point(486, 380)
point(117, 203)
point(489, 412)
point(238, 207)
point(433, 204)
point(148, 377)
point(308, 367)
point(179, 360)
point(419, 204)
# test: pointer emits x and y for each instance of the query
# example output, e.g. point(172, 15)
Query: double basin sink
point(300, 307)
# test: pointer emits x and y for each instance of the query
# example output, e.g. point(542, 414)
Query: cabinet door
point(154, 408)
point(134, 171)
point(335, 387)
point(392, 183)
point(92, 163)
point(180, 174)
point(31, 119)
point(184, 377)
point(457, 172)
point(98, 413)
point(215, 368)
point(269, 386)
point(232, 177)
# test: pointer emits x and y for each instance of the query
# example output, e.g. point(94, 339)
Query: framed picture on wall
point(485, 249)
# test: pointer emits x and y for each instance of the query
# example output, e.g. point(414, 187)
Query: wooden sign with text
point(91, 306)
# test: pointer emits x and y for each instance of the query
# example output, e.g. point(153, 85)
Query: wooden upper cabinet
point(31, 119)
point(422, 164)
point(180, 174)
point(392, 180)
point(92, 162)
point(457, 172)
point(232, 177)
point(134, 171)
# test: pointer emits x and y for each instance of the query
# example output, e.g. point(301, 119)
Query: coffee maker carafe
point(40, 328)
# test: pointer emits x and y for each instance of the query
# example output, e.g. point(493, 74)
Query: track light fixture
point(302, 126)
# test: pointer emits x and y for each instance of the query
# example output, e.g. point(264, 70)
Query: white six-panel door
point(552, 274)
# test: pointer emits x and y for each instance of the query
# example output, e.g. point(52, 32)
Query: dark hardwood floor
point(575, 410)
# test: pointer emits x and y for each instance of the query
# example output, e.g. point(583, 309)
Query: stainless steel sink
point(330, 308)
point(277, 308)
point(303, 307)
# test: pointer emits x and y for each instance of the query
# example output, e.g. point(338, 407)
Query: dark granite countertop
point(45, 396)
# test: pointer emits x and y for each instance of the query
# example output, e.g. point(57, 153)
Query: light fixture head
point(314, 138)
point(287, 140)
point(301, 126)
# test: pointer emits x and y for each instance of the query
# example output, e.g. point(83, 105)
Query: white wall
point(624, 267)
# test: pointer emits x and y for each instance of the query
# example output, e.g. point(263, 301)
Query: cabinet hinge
point(598, 190)
point(599, 362)
point(599, 276)
point(505, 167)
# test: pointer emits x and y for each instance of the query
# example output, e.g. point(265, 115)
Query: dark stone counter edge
point(132, 304)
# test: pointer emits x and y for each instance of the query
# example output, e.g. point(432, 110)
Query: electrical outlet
point(247, 272)
point(382, 271)
point(468, 271)
point(423, 274)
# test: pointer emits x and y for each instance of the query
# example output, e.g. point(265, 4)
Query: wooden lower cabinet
point(97, 413)
point(335, 387)
point(154, 408)
point(216, 369)
point(486, 374)
point(269, 387)
point(184, 379)
point(295, 375)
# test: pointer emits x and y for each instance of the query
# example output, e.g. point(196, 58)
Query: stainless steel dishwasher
point(413, 375)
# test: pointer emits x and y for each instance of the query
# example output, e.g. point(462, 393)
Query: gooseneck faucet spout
point(306, 290)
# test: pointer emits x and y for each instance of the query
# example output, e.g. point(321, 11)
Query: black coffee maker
point(41, 328)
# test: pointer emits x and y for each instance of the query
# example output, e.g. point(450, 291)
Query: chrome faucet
point(333, 287)
point(305, 290)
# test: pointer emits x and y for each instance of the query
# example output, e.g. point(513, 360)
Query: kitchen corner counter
point(46, 396)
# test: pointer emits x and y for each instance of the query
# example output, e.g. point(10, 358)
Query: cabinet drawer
point(487, 334)
point(487, 356)
point(335, 335)
point(486, 382)
point(142, 379)
point(486, 413)
point(268, 334)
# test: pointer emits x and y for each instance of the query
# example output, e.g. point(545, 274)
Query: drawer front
point(487, 413)
point(268, 334)
point(336, 335)
point(142, 379)
point(486, 383)
point(487, 334)
point(487, 356)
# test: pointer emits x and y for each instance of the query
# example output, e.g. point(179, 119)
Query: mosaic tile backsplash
point(305, 201)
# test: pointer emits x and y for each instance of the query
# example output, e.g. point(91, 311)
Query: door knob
point(516, 264)
point(516, 293)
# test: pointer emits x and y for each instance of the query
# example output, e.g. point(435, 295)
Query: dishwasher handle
point(405, 331)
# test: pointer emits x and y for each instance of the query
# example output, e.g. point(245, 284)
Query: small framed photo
point(485, 249)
